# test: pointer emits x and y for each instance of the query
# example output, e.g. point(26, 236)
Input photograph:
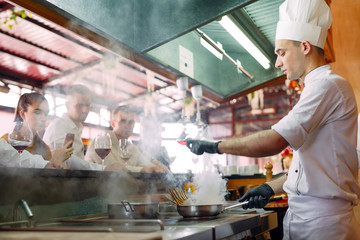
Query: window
point(10, 99)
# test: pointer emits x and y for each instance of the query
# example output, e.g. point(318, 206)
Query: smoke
point(210, 189)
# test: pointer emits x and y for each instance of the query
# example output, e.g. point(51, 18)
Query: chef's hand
point(258, 196)
point(199, 147)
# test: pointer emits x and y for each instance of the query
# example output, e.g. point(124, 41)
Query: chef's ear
point(306, 47)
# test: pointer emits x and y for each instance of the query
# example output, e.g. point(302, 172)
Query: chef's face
point(78, 107)
point(123, 124)
point(36, 115)
point(291, 58)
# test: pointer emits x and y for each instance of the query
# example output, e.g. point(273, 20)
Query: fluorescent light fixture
point(262, 111)
point(239, 36)
point(209, 47)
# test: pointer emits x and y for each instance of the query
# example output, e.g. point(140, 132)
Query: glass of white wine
point(124, 146)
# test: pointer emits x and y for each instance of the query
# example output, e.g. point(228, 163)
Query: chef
point(321, 129)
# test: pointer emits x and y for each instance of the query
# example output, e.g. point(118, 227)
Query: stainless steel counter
point(225, 225)
point(222, 226)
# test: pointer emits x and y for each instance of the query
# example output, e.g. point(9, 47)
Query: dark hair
point(123, 109)
point(319, 50)
point(25, 101)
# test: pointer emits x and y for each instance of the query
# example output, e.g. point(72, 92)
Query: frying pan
point(190, 211)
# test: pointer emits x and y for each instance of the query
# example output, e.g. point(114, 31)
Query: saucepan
point(134, 210)
point(212, 210)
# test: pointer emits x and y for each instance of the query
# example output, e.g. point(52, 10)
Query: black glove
point(199, 147)
point(258, 196)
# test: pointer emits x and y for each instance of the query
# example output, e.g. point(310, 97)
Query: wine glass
point(20, 136)
point(125, 152)
point(182, 138)
point(102, 146)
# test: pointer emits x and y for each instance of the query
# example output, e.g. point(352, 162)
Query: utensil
point(178, 195)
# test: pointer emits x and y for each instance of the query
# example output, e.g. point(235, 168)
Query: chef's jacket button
point(296, 171)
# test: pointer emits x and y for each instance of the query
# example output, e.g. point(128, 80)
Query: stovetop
point(170, 225)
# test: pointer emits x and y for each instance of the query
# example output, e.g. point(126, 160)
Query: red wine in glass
point(20, 148)
point(103, 146)
point(181, 141)
point(20, 137)
point(182, 138)
point(102, 152)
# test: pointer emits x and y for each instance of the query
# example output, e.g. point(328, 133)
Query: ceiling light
point(262, 111)
point(239, 36)
point(216, 48)
point(213, 50)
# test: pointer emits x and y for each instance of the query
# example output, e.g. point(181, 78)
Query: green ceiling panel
point(219, 76)
point(143, 24)
point(157, 27)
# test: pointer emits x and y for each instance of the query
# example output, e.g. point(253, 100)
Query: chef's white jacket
point(322, 129)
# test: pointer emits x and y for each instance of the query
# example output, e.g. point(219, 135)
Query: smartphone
point(69, 137)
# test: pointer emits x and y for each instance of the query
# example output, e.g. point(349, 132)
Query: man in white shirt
point(122, 122)
point(78, 103)
point(322, 180)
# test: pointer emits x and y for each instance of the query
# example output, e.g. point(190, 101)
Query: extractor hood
point(162, 31)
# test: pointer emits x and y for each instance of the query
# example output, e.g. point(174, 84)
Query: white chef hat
point(304, 20)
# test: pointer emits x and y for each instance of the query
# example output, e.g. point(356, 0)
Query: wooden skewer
point(170, 199)
point(185, 196)
point(173, 196)
point(171, 193)
point(181, 195)
point(177, 196)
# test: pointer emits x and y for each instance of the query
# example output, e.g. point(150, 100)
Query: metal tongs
point(246, 202)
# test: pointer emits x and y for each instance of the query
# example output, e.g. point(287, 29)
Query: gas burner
point(199, 218)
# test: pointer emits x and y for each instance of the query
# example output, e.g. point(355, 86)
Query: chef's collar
point(315, 73)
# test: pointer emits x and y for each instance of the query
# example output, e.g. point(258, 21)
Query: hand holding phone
point(69, 137)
